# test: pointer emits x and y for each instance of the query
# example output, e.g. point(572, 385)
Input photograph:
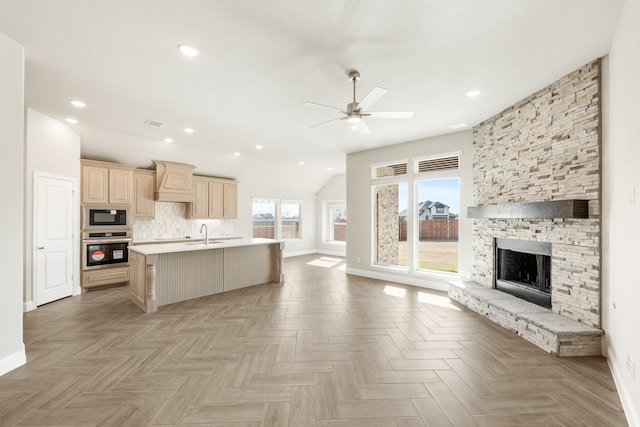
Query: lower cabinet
point(106, 276)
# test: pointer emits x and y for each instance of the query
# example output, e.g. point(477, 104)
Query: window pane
point(391, 214)
point(264, 219)
point(437, 213)
point(338, 224)
point(291, 221)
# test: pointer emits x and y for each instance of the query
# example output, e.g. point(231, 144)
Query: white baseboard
point(28, 306)
point(12, 361)
point(299, 253)
point(331, 253)
point(631, 410)
point(405, 278)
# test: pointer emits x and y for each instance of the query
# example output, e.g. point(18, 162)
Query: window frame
point(328, 236)
point(278, 220)
point(412, 178)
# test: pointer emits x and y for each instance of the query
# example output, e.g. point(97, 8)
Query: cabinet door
point(143, 187)
point(95, 185)
point(120, 186)
point(200, 208)
point(138, 279)
point(231, 201)
point(216, 199)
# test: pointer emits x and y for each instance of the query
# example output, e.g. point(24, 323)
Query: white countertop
point(167, 248)
point(182, 239)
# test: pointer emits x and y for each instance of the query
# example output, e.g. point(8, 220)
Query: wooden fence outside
point(434, 229)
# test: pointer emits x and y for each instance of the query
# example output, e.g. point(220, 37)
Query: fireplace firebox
point(523, 269)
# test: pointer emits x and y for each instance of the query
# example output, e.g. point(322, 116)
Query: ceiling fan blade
point(390, 114)
point(315, 104)
point(324, 123)
point(375, 94)
point(363, 128)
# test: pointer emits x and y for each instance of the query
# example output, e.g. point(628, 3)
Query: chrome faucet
point(206, 233)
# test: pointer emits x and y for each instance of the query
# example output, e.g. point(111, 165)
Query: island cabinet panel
point(170, 273)
point(137, 286)
point(187, 275)
point(250, 265)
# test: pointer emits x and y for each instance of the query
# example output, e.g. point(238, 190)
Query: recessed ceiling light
point(77, 103)
point(188, 50)
point(473, 93)
point(329, 169)
point(258, 147)
point(236, 153)
point(189, 130)
point(301, 163)
point(71, 120)
point(168, 140)
point(460, 125)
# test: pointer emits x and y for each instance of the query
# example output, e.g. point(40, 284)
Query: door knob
point(40, 248)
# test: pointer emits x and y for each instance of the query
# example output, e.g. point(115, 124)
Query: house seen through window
point(416, 205)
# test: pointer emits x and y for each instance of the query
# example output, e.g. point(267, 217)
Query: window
point(277, 219)
point(416, 206)
point(335, 222)
point(291, 220)
point(264, 218)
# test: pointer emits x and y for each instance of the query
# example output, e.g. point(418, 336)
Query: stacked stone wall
point(546, 147)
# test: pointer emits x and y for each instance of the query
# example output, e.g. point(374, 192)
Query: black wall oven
point(101, 217)
point(107, 249)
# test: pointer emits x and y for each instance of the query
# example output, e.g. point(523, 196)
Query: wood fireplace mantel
point(573, 208)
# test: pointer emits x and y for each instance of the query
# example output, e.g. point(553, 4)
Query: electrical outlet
point(358, 260)
point(628, 362)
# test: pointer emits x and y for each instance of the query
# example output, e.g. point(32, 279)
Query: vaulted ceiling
point(260, 60)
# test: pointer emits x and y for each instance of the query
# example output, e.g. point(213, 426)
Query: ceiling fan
point(356, 111)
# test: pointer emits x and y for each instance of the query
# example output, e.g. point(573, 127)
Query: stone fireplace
point(523, 269)
point(545, 148)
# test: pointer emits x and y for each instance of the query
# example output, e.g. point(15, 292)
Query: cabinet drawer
point(108, 276)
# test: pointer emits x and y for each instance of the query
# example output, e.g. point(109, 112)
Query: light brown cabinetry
point(143, 187)
point(106, 276)
point(215, 199)
point(106, 183)
point(137, 285)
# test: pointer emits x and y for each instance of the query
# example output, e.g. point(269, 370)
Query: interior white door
point(53, 240)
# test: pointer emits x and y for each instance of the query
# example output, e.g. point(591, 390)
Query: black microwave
point(99, 217)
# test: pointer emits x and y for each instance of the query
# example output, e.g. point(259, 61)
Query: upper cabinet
point(106, 183)
point(215, 199)
point(144, 206)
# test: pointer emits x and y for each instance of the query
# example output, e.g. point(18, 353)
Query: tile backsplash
point(170, 223)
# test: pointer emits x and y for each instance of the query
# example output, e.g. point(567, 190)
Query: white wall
point(335, 190)
point(12, 352)
point(53, 148)
point(359, 230)
point(256, 178)
point(620, 216)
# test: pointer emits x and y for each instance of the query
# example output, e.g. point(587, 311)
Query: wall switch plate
point(358, 260)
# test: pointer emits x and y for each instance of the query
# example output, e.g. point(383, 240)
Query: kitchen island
point(166, 273)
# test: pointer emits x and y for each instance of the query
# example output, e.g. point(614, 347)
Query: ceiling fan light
point(353, 119)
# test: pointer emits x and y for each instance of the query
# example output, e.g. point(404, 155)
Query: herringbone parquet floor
point(323, 349)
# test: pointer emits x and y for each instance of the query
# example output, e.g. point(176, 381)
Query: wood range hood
point(174, 182)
